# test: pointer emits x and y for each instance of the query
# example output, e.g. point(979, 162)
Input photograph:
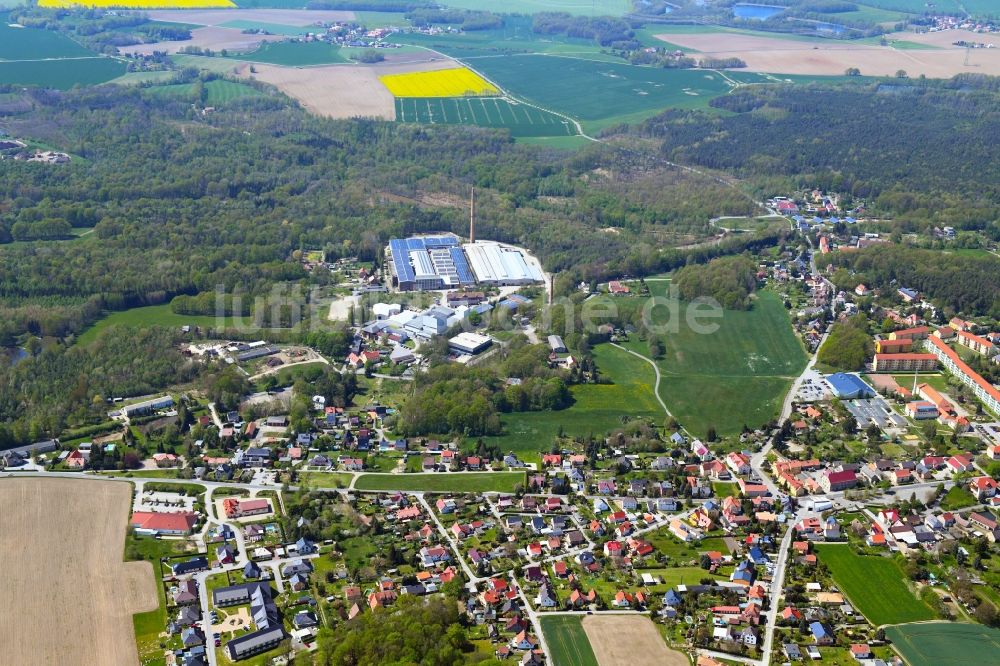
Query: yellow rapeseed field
point(138, 4)
point(458, 82)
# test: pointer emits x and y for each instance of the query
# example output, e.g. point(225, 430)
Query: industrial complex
point(442, 262)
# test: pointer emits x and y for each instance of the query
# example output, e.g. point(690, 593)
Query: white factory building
point(502, 265)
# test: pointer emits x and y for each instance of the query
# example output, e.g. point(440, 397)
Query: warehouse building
point(502, 265)
point(429, 262)
point(469, 343)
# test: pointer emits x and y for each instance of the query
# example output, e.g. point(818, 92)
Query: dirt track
point(66, 596)
point(831, 57)
point(629, 640)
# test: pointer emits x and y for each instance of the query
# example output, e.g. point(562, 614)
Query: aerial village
point(277, 524)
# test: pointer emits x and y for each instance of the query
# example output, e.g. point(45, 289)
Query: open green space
point(917, 6)
point(520, 119)
point(733, 376)
point(515, 36)
point(216, 92)
point(597, 408)
point(875, 585)
point(946, 643)
point(567, 641)
point(956, 498)
point(556, 142)
point(150, 315)
point(60, 73)
point(294, 54)
point(465, 482)
point(136, 78)
point(600, 93)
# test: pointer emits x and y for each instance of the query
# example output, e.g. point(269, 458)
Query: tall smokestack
point(472, 216)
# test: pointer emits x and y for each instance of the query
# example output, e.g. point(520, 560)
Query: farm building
point(849, 387)
point(556, 344)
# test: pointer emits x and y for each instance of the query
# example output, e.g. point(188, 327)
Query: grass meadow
point(216, 92)
point(737, 375)
point(151, 315)
point(875, 585)
point(597, 409)
point(568, 641)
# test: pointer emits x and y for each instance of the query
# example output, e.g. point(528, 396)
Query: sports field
point(469, 482)
point(520, 119)
point(568, 642)
point(736, 375)
point(294, 54)
point(597, 409)
point(945, 643)
point(875, 585)
point(599, 93)
point(137, 4)
point(68, 596)
point(455, 82)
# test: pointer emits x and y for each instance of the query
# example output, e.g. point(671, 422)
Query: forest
point(957, 283)
point(226, 201)
point(849, 345)
point(450, 398)
point(729, 280)
point(919, 151)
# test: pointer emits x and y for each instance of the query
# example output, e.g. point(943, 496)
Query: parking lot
point(813, 388)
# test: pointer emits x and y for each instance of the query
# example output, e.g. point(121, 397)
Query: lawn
point(567, 641)
point(875, 585)
point(151, 315)
point(615, 92)
point(471, 482)
point(598, 408)
point(957, 498)
point(733, 376)
point(946, 644)
point(294, 54)
point(522, 120)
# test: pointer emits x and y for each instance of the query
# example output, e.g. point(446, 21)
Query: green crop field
point(599, 93)
point(736, 375)
point(470, 482)
point(152, 315)
point(946, 643)
point(62, 74)
point(568, 641)
point(597, 409)
point(35, 44)
point(216, 92)
point(520, 119)
point(294, 54)
point(875, 585)
point(515, 36)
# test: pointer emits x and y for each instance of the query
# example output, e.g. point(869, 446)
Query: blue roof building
point(849, 387)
